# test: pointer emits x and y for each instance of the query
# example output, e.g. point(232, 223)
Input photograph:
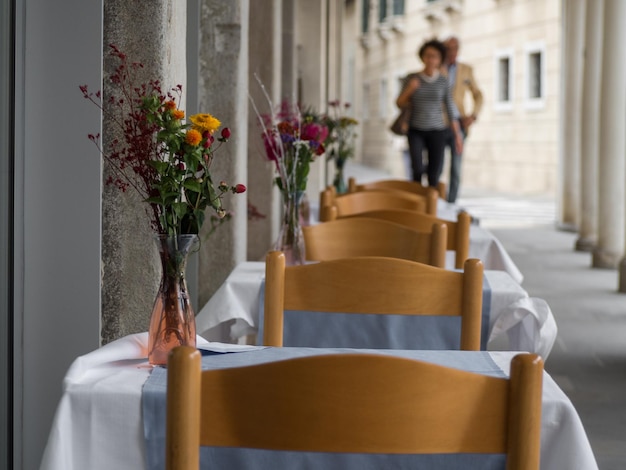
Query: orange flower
point(170, 105)
point(205, 123)
point(193, 137)
point(178, 114)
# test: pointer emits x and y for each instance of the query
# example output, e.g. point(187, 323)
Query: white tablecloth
point(98, 423)
point(483, 245)
point(516, 322)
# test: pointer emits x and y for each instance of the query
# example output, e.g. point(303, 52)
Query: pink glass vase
point(173, 321)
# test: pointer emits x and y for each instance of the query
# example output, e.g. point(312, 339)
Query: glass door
point(7, 159)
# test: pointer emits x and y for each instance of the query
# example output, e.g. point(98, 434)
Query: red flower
point(286, 128)
point(314, 131)
point(226, 135)
point(240, 188)
point(271, 147)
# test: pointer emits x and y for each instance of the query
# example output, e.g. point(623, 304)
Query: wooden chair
point(458, 232)
point(373, 285)
point(336, 206)
point(399, 185)
point(362, 403)
point(361, 236)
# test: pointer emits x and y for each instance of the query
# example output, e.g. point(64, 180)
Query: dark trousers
point(455, 165)
point(435, 143)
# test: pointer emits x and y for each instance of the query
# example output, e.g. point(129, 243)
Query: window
point(534, 76)
point(365, 18)
point(503, 99)
point(398, 7)
point(382, 10)
point(504, 66)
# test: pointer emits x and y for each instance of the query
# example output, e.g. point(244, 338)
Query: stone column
point(264, 62)
point(573, 44)
point(288, 69)
point(610, 247)
point(311, 19)
point(590, 127)
point(223, 92)
point(152, 33)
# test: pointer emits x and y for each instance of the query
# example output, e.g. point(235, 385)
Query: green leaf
point(193, 185)
point(159, 166)
point(180, 209)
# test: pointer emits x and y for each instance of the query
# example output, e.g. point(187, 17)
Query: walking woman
point(427, 94)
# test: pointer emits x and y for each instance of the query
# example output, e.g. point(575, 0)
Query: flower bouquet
point(291, 143)
point(167, 161)
point(340, 141)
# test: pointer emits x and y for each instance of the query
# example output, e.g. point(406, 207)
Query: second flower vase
point(290, 239)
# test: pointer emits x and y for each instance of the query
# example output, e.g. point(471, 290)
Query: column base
point(585, 244)
point(566, 227)
point(622, 276)
point(604, 259)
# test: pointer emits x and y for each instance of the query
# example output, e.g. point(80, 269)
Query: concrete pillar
point(610, 247)
point(312, 40)
point(223, 92)
point(264, 61)
point(590, 127)
point(288, 68)
point(573, 44)
point(152, 33)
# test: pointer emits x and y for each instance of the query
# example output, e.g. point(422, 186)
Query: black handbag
point(401, 124)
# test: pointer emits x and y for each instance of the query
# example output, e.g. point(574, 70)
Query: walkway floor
point(588, 360)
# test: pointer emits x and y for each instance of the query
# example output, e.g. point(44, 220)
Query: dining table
point(483, 244)
point(112, 411)
point(512, 320)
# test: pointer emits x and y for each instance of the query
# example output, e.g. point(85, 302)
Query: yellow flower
point(205, 123)
point(178, 114)
point(193, 137)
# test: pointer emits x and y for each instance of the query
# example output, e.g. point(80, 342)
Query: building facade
point(515, 50)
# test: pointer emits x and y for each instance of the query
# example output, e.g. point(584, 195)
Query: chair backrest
point(361, 236)
point(362, 403)
point(355, 203)
point(373, 285)
point(397, 184)
point(458, 231)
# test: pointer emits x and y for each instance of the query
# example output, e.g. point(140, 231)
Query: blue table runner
point(360, 330)
point(154, 397)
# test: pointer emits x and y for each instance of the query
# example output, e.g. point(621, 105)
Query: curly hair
point(435, 44)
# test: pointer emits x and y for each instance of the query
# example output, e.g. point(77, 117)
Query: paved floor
point(588, 360)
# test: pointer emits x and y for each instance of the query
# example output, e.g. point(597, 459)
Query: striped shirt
point(426, 104)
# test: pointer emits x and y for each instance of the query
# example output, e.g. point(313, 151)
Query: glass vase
point(304, 210)
point(173, 321)
point(340, 182)
point(290, 239)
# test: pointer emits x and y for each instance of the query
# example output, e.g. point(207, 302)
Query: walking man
point(461, 81)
